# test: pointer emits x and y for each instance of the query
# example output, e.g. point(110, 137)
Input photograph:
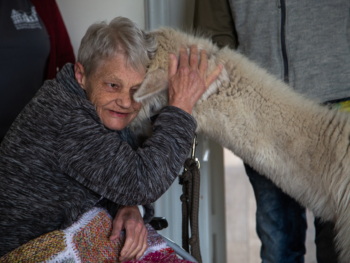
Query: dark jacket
point(58, 160)
point(61, 50)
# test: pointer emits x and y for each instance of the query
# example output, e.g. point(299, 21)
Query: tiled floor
point(243, 245)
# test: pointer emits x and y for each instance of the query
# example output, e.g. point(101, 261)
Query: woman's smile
point(118, 114)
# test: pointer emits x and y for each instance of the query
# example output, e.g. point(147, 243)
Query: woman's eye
point(112, 85)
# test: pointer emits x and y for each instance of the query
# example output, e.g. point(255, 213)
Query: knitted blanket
point(87, 241)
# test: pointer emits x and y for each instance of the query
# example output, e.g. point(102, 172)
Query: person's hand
point(130, 219)
point(188, 82)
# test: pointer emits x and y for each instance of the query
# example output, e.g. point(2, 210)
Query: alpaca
point(301, 146)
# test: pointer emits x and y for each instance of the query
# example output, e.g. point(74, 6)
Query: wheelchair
point(160, 223)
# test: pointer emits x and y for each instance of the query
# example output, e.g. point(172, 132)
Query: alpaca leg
point(342, 238)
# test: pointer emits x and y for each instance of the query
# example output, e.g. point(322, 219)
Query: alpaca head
point(153, 93)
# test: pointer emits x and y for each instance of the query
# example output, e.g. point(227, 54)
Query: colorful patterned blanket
point(87, 241)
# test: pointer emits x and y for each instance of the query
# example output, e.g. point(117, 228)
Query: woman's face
point(110, 88)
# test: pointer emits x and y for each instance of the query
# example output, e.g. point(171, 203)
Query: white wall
point(78, 15)
point(178, 14)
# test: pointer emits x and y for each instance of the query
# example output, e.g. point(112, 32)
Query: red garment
point(61, 51)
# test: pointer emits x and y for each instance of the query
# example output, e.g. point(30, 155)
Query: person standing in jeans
point(306, 44)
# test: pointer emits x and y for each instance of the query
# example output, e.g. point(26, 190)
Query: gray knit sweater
point(306, 43)
point(58, 160)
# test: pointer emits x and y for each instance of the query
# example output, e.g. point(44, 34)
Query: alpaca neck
point(291, 140)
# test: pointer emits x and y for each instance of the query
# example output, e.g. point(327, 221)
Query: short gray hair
point(102, 40)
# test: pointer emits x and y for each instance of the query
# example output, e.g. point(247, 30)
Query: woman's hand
point(130, 219)
point(188, 82)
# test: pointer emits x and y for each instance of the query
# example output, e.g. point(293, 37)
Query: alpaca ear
point(154, 82)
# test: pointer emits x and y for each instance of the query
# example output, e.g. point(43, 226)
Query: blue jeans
point(281, 225)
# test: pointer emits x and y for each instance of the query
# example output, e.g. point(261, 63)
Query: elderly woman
point(70, 148)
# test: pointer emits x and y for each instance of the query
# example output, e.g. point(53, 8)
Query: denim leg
point(281, 222)
point(324, 239)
